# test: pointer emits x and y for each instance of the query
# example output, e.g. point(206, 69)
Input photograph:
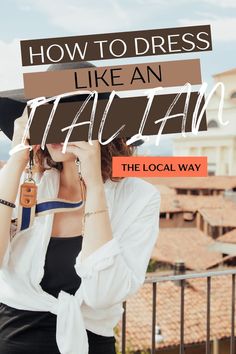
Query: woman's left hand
point(90, 159)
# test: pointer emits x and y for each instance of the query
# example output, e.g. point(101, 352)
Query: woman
point(63, 280)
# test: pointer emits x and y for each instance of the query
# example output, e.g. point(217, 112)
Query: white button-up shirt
point(109, 275)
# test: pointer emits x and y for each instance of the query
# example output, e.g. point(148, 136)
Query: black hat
point(13, 102)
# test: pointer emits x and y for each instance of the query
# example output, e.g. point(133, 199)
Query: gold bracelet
point(88, 214)
point(95, 212)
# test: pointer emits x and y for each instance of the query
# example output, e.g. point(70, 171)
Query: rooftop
point(210, 182)
point(224, 216)
point(189, 245)
point(2, 163)
point(229, 237)
point(191, 203)
point(226, 72)
point(165, 189)
point(139, 313)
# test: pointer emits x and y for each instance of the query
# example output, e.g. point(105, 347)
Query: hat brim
point(13, 102)
point(12, 105)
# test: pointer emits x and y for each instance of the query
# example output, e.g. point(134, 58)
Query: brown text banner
point(118, 77)
point(123, 111)
point(116, 45)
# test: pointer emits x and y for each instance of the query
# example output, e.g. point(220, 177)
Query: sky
point(30, 19)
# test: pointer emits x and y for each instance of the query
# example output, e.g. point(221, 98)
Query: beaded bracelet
point(5, 202)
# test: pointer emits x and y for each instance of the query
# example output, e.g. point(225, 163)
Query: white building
point(218, 143)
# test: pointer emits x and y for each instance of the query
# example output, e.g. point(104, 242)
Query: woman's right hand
point(21, 156)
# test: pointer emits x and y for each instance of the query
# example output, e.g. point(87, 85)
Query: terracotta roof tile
point(165, 189)
point(182, 203)
point(229, 237)
point(139, 313)
point(186, 244)
point(209, 182)
point(224, 216)
point(2, 163)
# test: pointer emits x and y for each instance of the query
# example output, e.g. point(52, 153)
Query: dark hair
point(117, 147)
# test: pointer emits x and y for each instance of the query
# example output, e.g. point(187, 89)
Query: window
point(211, 169)
point(212, 124)
point(181, 191)
point(189, 217)
point(214, 231)
point(233, 95)
point(194, 192)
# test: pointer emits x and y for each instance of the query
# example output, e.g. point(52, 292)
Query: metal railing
point(208, 275)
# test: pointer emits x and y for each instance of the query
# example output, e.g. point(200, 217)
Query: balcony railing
point(181, 278)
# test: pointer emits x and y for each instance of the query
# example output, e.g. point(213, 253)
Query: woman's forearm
point(97, 228)
point(9, 183)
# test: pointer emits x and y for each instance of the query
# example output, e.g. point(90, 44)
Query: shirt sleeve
point(117, 269)
point(13, 226)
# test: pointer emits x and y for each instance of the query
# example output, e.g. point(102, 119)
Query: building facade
point(219, 142)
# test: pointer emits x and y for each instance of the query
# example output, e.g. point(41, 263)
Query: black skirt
point(34, 332)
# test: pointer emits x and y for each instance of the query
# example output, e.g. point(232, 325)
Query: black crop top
point(59, 271)
point(23, 331)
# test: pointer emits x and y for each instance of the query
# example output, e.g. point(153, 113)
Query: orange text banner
point(163, 166)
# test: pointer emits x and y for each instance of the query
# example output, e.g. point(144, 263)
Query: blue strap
point(43, 208)
point(54, 204)
point(25, 221)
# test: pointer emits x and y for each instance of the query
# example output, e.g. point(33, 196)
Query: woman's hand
point(90, 159)
point(21, 156)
